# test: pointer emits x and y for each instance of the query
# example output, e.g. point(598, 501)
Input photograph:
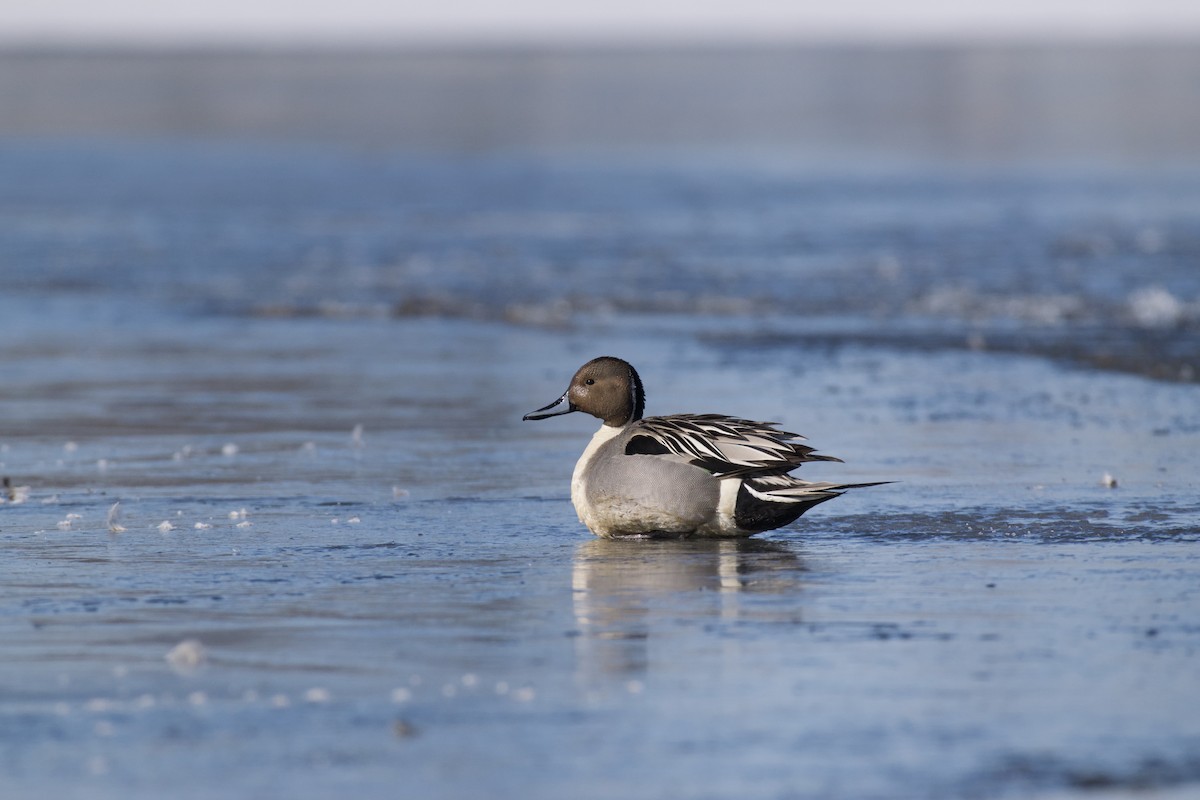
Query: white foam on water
point(187, 655)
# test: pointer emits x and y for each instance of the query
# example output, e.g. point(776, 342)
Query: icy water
point(340, 562)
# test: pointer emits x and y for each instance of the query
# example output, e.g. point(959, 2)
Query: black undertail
point(755, 514)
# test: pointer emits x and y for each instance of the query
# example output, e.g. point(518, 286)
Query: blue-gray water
point(294, 339)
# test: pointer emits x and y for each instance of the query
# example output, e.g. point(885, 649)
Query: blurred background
point(985, 82)
point(1019, 174)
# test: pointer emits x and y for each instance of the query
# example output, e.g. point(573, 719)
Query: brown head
point(607, 388)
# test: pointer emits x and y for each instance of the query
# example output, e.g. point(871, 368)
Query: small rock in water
point(13, 494)
point(403, 729)
point(1109, 481)
point(187, 655)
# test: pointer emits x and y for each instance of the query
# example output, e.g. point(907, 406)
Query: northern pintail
point(684, 474)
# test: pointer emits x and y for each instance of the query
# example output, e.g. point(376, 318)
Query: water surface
point(300, 367)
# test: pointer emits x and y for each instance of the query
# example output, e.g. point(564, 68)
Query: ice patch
point(187, 655)
point(317, 695)
point(1155, 307)
point(1039, 309)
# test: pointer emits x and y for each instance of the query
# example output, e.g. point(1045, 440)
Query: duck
point(682, 475)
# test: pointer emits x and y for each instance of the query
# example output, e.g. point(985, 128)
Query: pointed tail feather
point(772, 501)
point(785, 488)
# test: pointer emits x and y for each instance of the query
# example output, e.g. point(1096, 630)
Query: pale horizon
point(547, 22)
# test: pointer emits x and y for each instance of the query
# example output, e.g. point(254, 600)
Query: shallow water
point(421, 608)
point(300, 370)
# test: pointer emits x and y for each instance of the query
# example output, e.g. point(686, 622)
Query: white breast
point(579, 477)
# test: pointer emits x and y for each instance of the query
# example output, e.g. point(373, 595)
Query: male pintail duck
point(684, 474)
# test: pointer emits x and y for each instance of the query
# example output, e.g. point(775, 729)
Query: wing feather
point(726, 446)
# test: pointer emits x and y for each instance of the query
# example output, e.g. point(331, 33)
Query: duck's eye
point(590, 381)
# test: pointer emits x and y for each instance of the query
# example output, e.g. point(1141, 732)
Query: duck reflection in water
point(628, 593)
